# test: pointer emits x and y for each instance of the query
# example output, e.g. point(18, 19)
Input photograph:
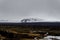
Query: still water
point(51, 38)
point(46, 38)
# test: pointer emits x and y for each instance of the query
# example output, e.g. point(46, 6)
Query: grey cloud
point(16, 9)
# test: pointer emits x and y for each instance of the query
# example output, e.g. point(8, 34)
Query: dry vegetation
point(25, 30)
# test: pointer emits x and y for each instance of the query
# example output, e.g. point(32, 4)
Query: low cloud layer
point(18, 9)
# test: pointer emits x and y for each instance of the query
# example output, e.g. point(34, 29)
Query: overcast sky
point(18, 9)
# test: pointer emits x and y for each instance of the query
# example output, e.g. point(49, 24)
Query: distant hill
point(3, 20)
point(32, 20)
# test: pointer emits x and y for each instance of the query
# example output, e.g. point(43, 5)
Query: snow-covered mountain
point(4, 20)
point(32, 20)
point(27, 20)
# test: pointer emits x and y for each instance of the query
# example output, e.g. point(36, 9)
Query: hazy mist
point(18, 9)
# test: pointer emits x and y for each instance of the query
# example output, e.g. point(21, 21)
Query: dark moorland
point(14, 31)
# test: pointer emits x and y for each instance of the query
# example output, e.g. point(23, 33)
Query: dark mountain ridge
point(33, 23)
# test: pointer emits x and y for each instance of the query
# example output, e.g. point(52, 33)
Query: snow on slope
point(32, 20)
